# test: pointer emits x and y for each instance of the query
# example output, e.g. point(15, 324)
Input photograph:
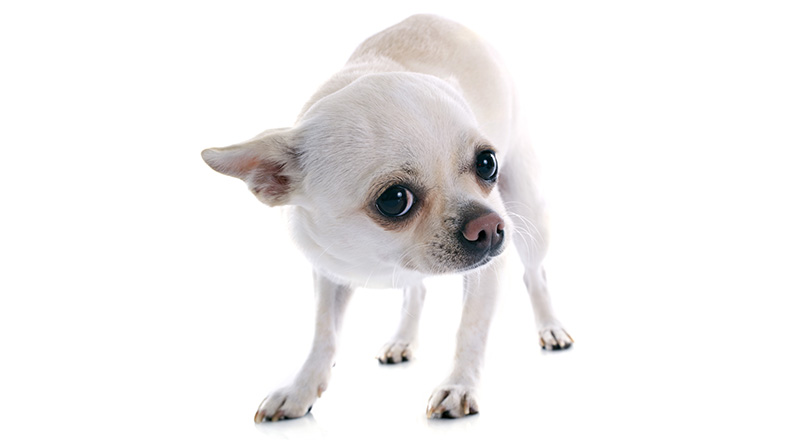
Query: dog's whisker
point(527, 229)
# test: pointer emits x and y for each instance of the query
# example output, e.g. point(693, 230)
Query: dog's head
point(389, 176)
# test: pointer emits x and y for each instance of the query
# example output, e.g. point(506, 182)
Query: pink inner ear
point(268, 178)
point(247, 163)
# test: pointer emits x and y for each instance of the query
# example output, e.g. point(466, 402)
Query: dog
point(411, 161)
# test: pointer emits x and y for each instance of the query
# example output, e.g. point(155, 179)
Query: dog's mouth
point(457, 261)
point(474, 266)
point(484, 259)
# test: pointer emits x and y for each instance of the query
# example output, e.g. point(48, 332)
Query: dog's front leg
point(296, 399)
point(401, 346)
point(455, 397)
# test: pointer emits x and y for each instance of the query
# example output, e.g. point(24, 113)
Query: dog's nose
point(484, 232)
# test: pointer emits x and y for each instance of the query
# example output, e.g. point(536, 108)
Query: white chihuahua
point(411, 161)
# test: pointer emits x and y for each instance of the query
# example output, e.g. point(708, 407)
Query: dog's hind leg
point(401, 345)
point(296, 399)
point(526, 208)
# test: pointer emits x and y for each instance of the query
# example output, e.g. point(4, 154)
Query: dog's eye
point(486, 165)
point(395, 201)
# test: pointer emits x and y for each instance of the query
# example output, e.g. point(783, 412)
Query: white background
point(146, 296)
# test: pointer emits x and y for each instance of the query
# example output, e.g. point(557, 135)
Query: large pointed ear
point(268, 164)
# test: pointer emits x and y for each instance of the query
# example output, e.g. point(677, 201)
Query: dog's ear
point(268, 164)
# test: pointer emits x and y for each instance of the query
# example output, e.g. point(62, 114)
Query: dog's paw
point(288, 403)
point(395, 352)
point(554, 338)
point(451, 402)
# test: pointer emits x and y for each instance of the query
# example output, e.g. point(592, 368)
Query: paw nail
point(435, 413)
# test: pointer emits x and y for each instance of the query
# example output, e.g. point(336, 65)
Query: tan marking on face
point(485, 187)
point(425, 227)
point(407, 177)
point(393, 224)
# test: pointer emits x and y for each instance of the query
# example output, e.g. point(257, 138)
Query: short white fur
point(414, 104)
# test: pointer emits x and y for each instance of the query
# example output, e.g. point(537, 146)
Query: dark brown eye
point(395, 201)
point(486, 165)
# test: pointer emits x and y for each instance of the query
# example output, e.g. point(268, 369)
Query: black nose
point(484, 232)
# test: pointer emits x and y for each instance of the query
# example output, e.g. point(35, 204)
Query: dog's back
point(436, 46)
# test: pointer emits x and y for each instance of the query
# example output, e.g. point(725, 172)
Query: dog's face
point(390, 177)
